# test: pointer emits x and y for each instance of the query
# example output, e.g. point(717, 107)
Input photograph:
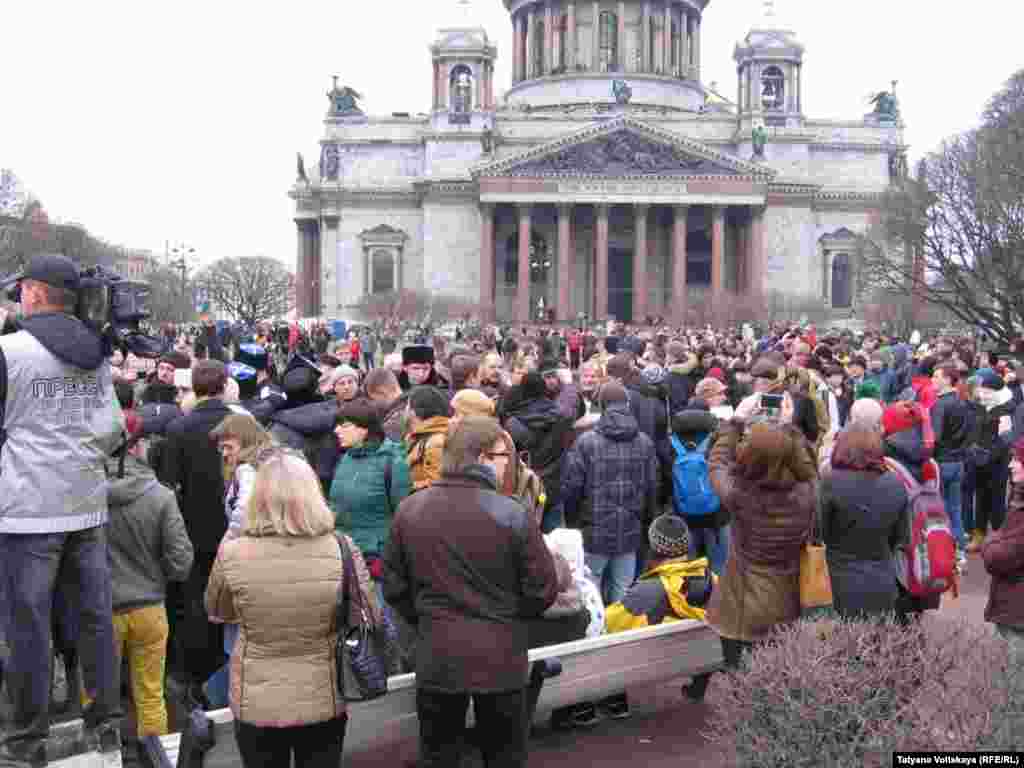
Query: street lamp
point(180, 257)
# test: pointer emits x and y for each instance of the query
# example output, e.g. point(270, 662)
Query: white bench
point(591, 670)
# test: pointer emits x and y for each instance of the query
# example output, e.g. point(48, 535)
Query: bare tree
point(251, 288)
point(961, 224)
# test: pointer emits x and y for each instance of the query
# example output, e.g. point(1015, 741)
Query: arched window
point(461, 88)
point(842, 281)
point(382, 273)
point(773, 88)
point(609, 41)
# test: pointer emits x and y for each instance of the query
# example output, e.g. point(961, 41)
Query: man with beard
point(418, 368)
point(161, 389)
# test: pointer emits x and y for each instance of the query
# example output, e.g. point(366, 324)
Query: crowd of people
point(512, 490)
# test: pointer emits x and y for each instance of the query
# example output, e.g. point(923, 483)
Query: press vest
point(61, 423)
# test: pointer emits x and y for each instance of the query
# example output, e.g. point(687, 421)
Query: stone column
point(826, 269)
point(515, 48)
point(620, 45)
point(645, 31)
point(595, 53)
point(442, 87)
point(478, 98)
point(666, 37)
point(523, 281)
point(717, 247)
point(684, 48)
point(757, 257)
point(601, 264)
point(328, 252)
point(696, 48)
point(300, 267)
point(570, 37)
point(531, 32)
point(549, 40)
point(639, 262)
point(564, 308)
point(743, 258)
point(799, 88)
point(487, 259)
point(396, 273)
point(679, 222)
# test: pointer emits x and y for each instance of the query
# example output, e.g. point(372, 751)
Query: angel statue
point(885, 103)
point(622, 92)
point(344, 100)
point(300, 168)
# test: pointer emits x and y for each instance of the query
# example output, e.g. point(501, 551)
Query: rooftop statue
point(886, 105)
point(759, 137)
point(622, 92)
point(344, 100)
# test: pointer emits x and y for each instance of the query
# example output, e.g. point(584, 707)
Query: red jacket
point(1003, 554)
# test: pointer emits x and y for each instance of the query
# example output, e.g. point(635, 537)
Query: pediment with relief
point(622, 148)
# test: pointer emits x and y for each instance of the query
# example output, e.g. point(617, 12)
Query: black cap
point(53, 269)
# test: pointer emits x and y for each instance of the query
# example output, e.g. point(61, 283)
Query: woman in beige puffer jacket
point(280, 582)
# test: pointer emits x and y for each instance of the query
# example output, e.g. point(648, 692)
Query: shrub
point(831, 692)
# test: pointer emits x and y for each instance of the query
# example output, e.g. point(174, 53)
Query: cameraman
point(61, 422)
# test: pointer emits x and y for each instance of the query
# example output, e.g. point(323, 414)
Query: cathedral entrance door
point(620, 283)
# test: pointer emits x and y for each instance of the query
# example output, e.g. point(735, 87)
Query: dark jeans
point(967, 493)
point(500, 727)
point(32, 567)
point(990, 499)
point(368, 360)
point(317, 745)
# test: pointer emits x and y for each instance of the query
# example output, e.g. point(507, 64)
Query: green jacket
point(361, 507)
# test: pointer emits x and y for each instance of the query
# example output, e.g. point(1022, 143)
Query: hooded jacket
point(361, 506)
point(541, 431)
point(658, 596)
point(310, 429)
point(610, 483)
point(61, 422)
point(426, 449)
point(148, 545)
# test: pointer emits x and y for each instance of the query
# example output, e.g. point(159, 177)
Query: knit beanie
point(669, 536)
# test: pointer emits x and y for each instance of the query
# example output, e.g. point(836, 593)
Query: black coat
point(540, 430)
point(191, 464)
point(863, 517)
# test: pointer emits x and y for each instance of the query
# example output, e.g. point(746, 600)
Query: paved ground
point(663, 729)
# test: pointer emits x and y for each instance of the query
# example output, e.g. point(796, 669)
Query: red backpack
point(926, 565)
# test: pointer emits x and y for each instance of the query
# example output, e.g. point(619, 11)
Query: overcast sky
point(149, 122)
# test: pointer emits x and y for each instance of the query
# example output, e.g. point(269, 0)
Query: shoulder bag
point(361, 652)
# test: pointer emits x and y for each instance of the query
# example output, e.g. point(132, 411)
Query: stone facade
point(581, 196)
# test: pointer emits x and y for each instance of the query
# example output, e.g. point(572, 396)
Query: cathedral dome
point(571, 52)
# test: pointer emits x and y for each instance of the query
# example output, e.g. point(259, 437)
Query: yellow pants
point(142, 635)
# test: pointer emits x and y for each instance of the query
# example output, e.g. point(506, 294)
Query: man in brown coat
point(468, 566)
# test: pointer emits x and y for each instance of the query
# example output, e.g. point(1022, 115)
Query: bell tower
point(463, 58)
point(769, 64)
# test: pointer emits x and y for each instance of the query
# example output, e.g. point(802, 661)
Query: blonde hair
point(286, 500)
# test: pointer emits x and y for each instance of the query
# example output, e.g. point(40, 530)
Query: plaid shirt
point(610, 483)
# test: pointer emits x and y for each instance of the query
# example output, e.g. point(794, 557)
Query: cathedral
point(607, 182)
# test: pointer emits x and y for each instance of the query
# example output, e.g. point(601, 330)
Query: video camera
point(110, 305)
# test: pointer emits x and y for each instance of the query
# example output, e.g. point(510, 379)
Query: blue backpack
point(692, 495)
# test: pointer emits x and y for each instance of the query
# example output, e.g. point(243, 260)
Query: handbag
point(815, 579)
point(362, 651)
